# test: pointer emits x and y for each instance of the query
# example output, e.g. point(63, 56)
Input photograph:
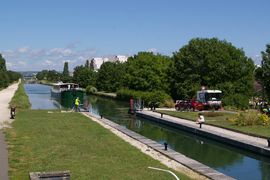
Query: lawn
point(50, 141)
point(221, 119)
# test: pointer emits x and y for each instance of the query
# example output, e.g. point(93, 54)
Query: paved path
point(260, 143)
point(5, 97)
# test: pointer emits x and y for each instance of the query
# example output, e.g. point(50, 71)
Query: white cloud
point(69, 61)
point(22, 63)
point(26, 58)
point(257, 59)
point(153, 50)
point(8, 53)
point(48, 63)
point(60, 52)
point(37, 53)
point(23, 49)
point(9, 65)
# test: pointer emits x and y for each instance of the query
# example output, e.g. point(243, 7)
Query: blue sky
point(42, 34)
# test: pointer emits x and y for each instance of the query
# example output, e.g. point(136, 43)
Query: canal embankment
point(177, 160)
point(255, 144)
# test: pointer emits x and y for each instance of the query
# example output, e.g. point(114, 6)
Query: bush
point(159, 98)
point(90, 89)
point(236, 100)
point(263, 120)
point(250, 118)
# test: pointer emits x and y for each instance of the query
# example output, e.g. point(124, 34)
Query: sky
point(43, 34)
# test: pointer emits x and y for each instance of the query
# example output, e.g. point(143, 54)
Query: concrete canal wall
point(176, 156)
point(246, 142)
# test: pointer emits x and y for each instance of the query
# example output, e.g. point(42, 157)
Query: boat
point(66, 93)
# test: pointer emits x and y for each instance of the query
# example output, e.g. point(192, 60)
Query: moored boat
point(66, 93)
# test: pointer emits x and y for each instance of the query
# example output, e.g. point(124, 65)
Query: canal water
point(231, 161)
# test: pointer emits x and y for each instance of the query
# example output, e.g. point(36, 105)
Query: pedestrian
point(77, 103)
point(200, 119)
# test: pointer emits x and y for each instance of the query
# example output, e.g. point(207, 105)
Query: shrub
point(250, 118)
point(263, 120)
point(169, 103)
point(159, 98)
point(90, 89)
point(236, 100)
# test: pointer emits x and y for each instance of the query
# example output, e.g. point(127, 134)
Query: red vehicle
point(205, 99)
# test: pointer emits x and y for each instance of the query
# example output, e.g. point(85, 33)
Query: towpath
point(256, 144)
point(5, 98)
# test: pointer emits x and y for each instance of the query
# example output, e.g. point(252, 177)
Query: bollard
point(200, 125)
point(161, 115)
point(101, 116)
point(12, 112)
point(166, 145)
point(268, 140)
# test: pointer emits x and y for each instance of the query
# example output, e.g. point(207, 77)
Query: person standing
point(77, 103)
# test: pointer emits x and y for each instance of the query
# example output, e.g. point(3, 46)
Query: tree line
point(6, 77)
point(209, 62)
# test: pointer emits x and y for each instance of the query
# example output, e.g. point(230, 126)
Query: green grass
point(20, 100)
point(221, 120)
point(42, 141)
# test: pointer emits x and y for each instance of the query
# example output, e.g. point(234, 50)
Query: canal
point(231, 161)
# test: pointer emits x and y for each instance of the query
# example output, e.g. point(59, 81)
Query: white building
point(98, 61)
point(121, 58)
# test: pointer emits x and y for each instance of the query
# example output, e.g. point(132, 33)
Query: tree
point(65, 76)
point(6, 77)
point(87, 64)
point(42, 75)
point(84, 76)
point(147, 72)
point(92, 64)
point(215, 64)
point(2, 64)
point(110, 76)
point(53, 76)
point(265, 71)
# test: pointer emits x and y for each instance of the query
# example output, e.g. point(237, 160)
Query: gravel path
point(5, 97)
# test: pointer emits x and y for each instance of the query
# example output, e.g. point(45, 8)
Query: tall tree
point(265, 74)
point(4, 79)
point(65, 70)
point(110, 76)
point(147, 72)
point(84, 76)
point(87, 64)
point(92, 64)
point(65, 76)
point(215, 64)
point(2, 64)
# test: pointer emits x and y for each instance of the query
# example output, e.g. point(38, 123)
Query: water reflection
point(40, 96)
point(231, 161)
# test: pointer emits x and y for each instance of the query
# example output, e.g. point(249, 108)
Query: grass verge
point(51, 141)
point(221, 119)
point(20, 99)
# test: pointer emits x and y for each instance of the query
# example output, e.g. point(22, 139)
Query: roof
point(61, 83)
point(211, 91)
